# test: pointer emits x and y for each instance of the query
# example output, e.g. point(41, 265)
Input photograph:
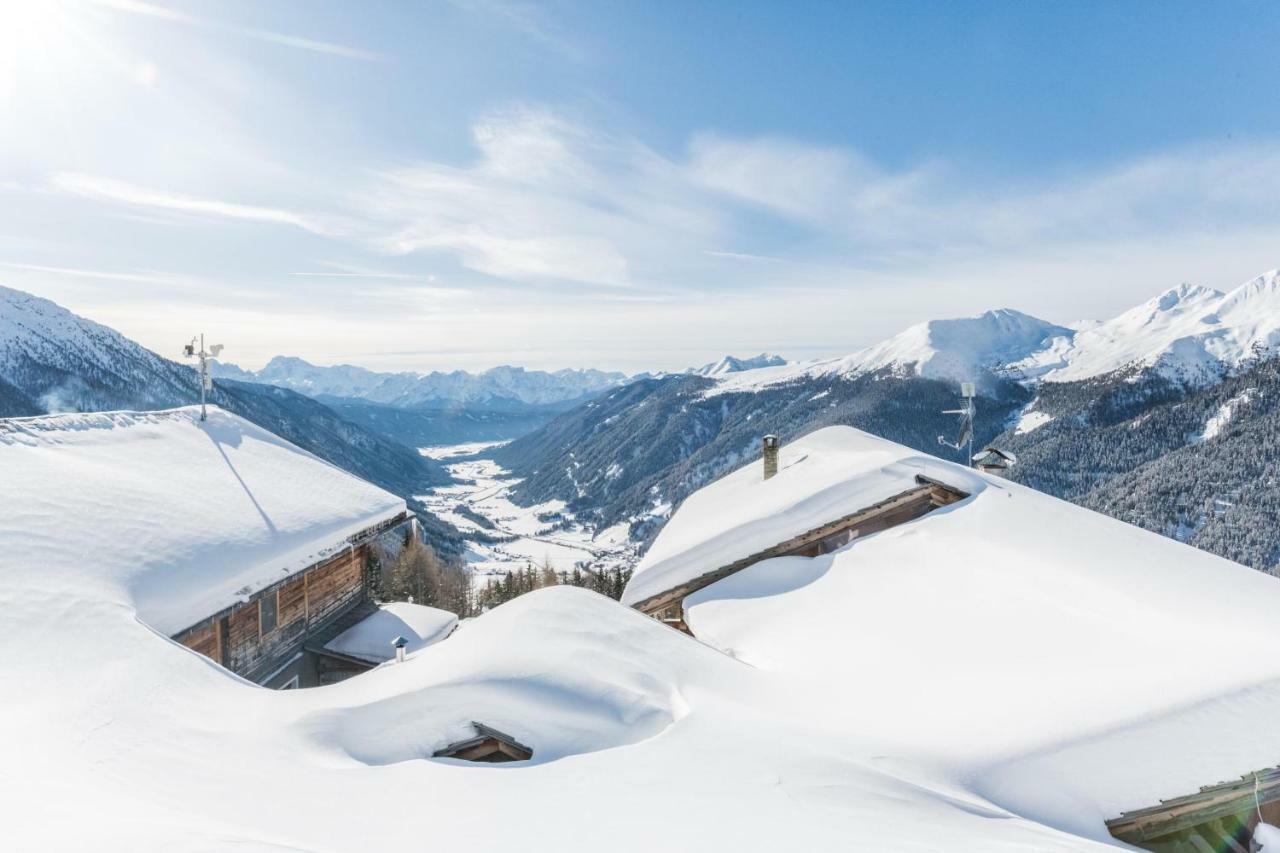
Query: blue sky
point(624, 185)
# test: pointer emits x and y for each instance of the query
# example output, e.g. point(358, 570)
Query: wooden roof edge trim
point(925, 486)
point(1211, 802)
point(352, 542)
point(483, 733)
point(502, 736)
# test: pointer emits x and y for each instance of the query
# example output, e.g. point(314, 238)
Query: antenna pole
point(204, 356)
point(971, 414)
point(204, 376)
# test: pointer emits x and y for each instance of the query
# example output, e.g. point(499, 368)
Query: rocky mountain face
point(52, 361)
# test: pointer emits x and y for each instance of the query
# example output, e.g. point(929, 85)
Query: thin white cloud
point(110, 190)
point(529, 19)
point(106, 275)
point(154, 10)
point(546, 200)
point(743, 256)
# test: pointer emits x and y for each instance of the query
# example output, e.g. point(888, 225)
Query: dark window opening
point(267, 614)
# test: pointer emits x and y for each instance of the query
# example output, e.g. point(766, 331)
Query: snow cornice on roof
point(183, 517)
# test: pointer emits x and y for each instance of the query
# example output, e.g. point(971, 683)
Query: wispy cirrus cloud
point(155, 10)
point(550, 199)
point(103, 275)
point(545, 200)
point(110, 190)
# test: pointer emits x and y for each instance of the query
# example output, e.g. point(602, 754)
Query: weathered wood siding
point(335, 585)
point(206, 640)
point(236, 637)
point(293, 601)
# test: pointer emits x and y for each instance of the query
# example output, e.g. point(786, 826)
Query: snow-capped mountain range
point(496, 387)
point(1189, 334)
point(427, 390)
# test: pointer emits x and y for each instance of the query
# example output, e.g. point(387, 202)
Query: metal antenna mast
point(206, 381)
point(966, 414)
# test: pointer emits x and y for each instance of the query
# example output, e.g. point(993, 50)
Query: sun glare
point(42, 42)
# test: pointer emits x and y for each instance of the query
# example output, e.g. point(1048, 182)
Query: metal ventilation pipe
point(770, 456)
point(399, 643)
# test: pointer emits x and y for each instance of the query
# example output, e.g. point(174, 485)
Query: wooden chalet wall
point(258, 637)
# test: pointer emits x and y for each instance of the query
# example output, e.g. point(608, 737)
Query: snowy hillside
point(510, 385)
point(987, 654)
point(64, 362)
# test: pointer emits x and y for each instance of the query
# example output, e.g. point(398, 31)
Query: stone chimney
point(770, 456)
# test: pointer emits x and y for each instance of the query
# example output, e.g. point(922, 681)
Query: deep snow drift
point(995, 676)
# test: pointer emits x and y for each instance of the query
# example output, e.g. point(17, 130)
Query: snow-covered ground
point(1003, 674)
point(542, 534)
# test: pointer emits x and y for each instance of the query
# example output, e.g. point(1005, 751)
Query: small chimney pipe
point(399, 643)
point(770, 444)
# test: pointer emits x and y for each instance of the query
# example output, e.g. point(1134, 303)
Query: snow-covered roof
point(821, 477)
point(185, 517)
point(370, 639)
point(995, 451)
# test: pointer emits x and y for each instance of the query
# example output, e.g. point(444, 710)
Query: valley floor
point(543, 534)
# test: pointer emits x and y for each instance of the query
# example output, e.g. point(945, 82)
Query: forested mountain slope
point(633, 453)
point(1199, 466)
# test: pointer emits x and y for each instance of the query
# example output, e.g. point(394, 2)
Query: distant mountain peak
point(732, 364)
point(1183, 295)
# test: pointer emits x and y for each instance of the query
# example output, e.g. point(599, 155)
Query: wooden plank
point(905, 506)
point(292, 605)
point(204, 639)
point(1213, 802)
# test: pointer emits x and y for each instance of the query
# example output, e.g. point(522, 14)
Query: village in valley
point(504, 537)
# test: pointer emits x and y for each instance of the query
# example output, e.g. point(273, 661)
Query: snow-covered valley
point(503, 536)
